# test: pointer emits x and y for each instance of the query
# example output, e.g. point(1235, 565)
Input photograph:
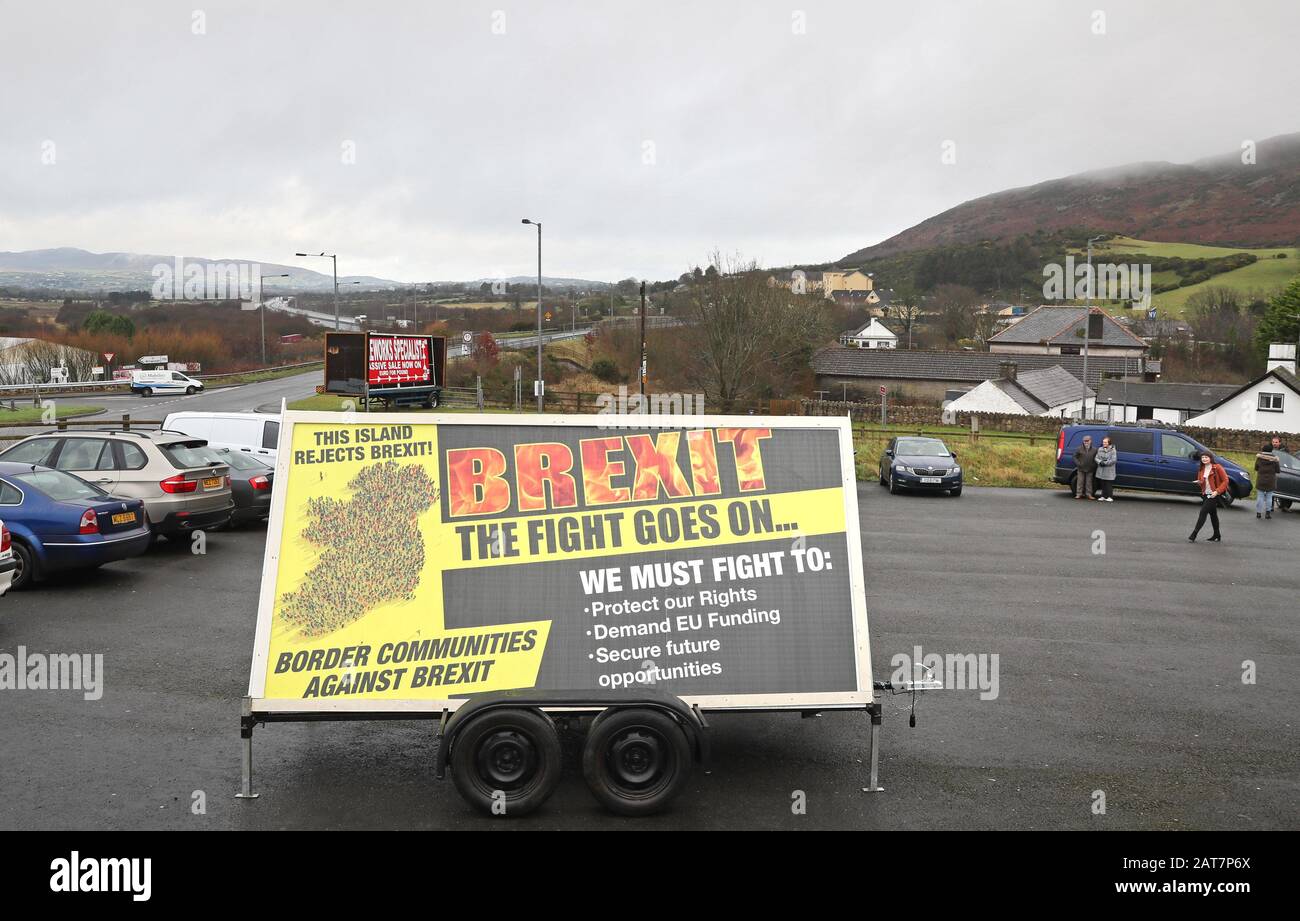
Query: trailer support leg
point(246, 724)
point(875, 786)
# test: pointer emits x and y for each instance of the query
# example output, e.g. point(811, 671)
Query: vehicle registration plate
point(124, 518)
point(212, 482)
point(931, 479)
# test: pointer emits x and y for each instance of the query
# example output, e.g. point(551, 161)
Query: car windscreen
point(60, 486)
point(238, 460)
point(186, 454)
point(930, 447)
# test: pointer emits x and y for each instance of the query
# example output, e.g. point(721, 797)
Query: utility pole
point(1087, 316)
point(643, 355)
point(262, 296)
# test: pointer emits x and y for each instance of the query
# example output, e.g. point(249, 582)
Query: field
point(1267, 273)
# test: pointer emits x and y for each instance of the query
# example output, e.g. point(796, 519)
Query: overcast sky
point(643, 134)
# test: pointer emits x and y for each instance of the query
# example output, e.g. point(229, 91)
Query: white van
point(252, 433)
point(147, 383)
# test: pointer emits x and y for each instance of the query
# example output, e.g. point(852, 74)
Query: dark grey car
point(250, 484)
point(916, 462)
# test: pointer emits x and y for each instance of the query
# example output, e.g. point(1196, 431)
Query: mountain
point(1216, 201)
point(70, 269)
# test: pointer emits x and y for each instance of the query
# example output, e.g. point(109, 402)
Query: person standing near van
point(1107, 457)
point(1085, 463)
point(1267, 467)
point(1211, 482)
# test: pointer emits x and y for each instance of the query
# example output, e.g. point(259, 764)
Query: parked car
point(147, 383)
point(8, 562)
point(1151, 457)
point(250, 483)
point(914, 462)
point(56, 521)
point(251, 433)
point(1288, 479)
point(183, 488)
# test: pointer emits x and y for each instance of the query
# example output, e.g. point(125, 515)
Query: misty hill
point(67, 268)
point(1218, 201)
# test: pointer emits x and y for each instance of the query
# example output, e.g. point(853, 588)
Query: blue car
point(59, 522)
point(1150, 457)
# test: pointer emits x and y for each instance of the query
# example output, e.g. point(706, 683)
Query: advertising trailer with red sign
point(392, 369)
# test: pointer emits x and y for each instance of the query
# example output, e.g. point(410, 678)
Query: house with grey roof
point(1050, 391)
point(1269, 403)
point(1061, 331)
point(925, 375)
point(1128, 400)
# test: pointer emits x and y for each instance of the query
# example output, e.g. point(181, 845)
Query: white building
point(1270, 403)
point(875, 335)
point(1049, 391)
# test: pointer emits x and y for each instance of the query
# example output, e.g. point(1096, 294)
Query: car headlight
point(956, 469)
point(899, 468)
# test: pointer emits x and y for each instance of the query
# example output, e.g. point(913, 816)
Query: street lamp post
point(1087, 314)
point(335, 257)
point(262, 291)
point(540, 384)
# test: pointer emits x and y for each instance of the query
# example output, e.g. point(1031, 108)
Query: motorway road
point(1119, 672)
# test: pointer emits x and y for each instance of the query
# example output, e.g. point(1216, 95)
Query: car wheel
point(1285, 504)
point(636, 761)
point(955, 492)
point(26, 567)
point(1226, 500)
point(881, 477)
point(189, 391)
point(893, 485)
point(507, 762)
point(146, 392)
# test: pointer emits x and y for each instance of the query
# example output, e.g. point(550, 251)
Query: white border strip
point(275, 526)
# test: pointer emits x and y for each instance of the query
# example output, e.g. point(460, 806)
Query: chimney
point(1282, 355)
point(1007, 370)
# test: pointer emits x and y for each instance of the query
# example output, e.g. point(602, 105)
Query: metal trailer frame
point(568, 703)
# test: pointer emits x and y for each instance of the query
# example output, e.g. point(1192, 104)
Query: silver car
point(183, 487)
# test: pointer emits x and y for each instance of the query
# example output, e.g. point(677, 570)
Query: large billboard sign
point(400, 360)
point(357, 361)
point(412, 563)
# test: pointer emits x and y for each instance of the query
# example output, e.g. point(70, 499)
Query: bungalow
point(1051, 391)
point(925, 375)
point(1128, 400)
point(875, 335)
point(1269, 403)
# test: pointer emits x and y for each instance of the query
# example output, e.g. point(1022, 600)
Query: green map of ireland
point(371, 551)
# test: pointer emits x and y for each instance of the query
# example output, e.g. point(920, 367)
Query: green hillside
point(1267, 273)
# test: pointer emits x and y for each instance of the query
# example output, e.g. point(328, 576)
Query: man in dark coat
point(1085, 462)
point(1267, 467)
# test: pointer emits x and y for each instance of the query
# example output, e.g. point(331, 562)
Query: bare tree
point(906, 307)
point(747, 336)
point(956, 306)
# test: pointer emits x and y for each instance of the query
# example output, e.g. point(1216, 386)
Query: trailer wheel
point(507, 762)
point(636, 761)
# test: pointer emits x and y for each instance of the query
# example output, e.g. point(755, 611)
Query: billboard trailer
point(505, 573)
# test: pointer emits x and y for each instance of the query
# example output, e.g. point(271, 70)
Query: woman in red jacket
point(1211, 482)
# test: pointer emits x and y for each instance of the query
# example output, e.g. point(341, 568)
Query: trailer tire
point(636, 760)
point(506, 762)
